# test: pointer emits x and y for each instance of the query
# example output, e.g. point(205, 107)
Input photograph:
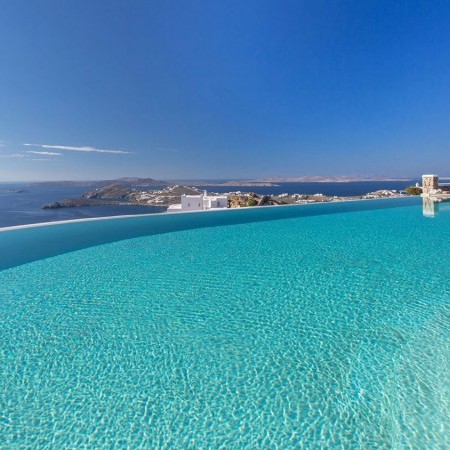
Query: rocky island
point(13, 191)
point(119, 194)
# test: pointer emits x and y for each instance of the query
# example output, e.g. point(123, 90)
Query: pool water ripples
point(328, 331)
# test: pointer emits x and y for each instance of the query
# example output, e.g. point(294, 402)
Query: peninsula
point(118, 194)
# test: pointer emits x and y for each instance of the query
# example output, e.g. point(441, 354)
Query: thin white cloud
point(38, 159)
point(13, 155)
point(44, 153)
point(76, 149)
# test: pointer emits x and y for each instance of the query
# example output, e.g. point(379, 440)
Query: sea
point(21, 203)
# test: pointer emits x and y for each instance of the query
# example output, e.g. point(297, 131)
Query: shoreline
point(176, 213)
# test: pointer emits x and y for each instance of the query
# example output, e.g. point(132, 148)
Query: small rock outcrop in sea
point(13, 191)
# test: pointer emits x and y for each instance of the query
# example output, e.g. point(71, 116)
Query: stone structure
point(430, 184)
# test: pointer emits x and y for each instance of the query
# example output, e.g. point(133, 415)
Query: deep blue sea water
point(289, 327)
point(25, 208)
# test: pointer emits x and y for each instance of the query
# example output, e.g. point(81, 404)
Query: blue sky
point(223, 89)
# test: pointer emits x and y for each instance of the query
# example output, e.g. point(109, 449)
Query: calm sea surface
point(24, 208)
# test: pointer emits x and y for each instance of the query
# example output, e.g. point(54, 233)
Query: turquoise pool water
point(318, 331)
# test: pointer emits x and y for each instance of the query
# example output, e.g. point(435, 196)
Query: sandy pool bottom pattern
point(317, 332)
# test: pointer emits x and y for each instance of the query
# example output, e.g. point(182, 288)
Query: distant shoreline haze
point(321, 179)
point(218, 181)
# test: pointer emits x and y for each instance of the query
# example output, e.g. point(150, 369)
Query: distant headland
point(150, 182)
point(129, 181)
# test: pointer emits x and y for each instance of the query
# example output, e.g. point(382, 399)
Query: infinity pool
point(326, 330)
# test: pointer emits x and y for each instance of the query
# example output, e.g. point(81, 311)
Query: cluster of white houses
point(201, 202)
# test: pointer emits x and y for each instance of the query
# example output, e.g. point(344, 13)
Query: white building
point(201, 202)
